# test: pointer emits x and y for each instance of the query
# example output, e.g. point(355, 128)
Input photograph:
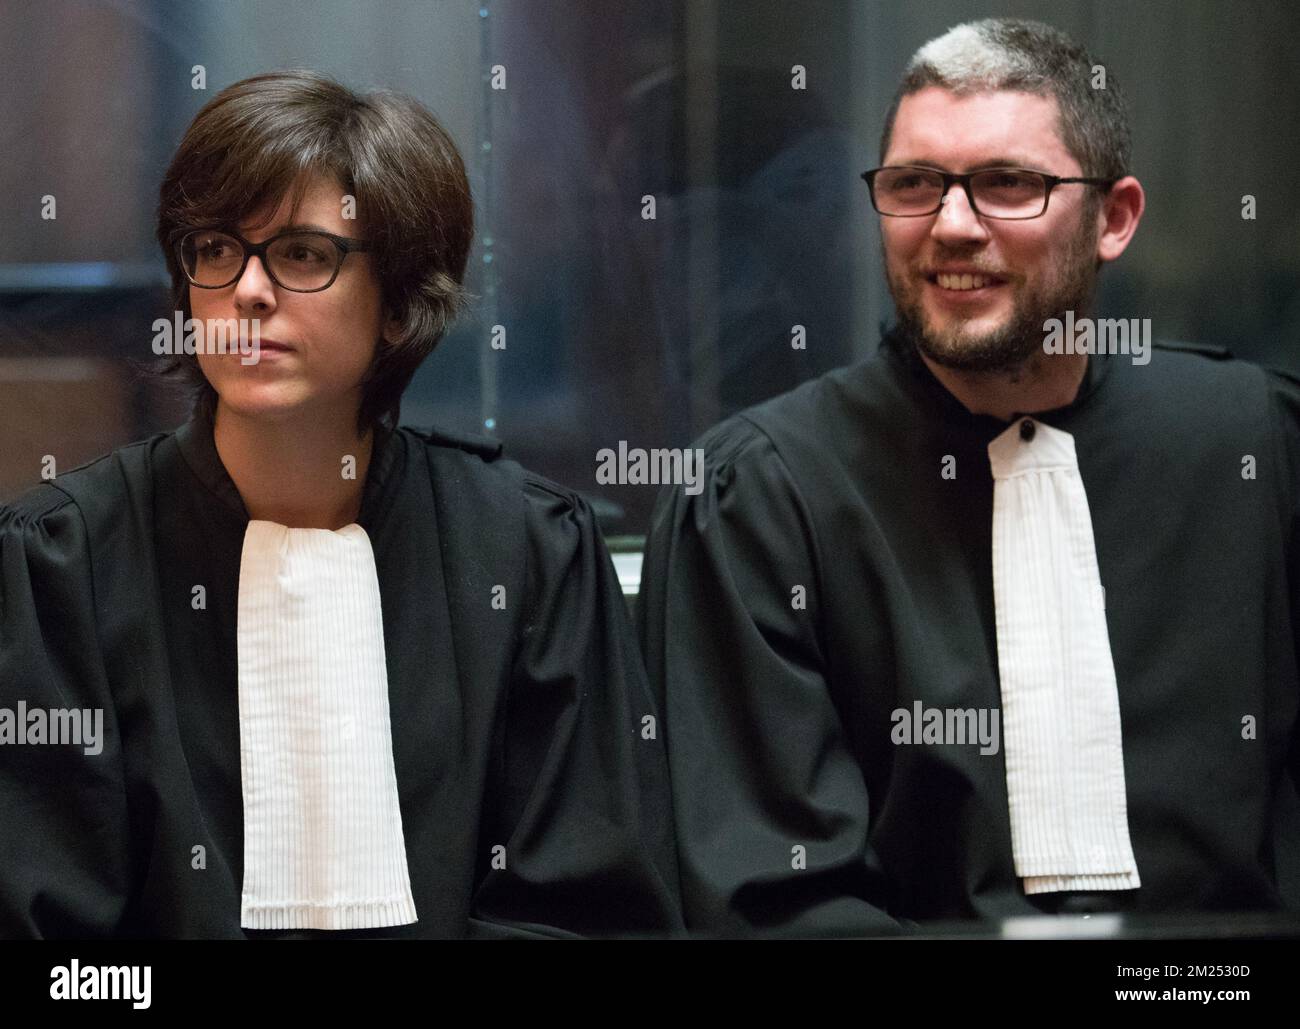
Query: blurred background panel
point(618, 327)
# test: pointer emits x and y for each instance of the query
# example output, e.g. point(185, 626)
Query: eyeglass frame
point(343, 243)
point(1050, 182)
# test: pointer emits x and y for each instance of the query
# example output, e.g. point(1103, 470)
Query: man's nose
point(956, 219)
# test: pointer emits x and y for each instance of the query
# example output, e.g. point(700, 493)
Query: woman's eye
point(303, 254)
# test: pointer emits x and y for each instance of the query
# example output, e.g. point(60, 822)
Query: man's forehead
point(938, 126)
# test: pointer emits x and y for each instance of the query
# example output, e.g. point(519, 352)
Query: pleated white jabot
point(323, 844)
point(1060, 702)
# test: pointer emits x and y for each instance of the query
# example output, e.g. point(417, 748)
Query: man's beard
point(1011, 346)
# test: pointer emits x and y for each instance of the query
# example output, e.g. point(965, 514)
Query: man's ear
point(1121, 210)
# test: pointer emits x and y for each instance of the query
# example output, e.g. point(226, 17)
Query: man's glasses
point(299, 260)
point(1011, 193)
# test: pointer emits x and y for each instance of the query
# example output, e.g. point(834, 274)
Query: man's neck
point(295, 472)
point(1044, 383)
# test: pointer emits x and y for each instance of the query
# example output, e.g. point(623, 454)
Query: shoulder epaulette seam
point(1203, 349)
point(481, 446)
point(25, 502)
point(551, 486)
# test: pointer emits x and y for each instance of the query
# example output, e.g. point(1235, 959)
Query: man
point(1002, 620)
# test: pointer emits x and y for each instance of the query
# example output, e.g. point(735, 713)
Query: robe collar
point(933, 395)
point(199, 449)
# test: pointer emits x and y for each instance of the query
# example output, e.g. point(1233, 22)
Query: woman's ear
point(392, 329)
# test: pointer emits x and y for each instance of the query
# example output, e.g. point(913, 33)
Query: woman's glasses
point(300, 260)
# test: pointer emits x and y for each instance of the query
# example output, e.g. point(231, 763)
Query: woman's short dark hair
point(261, 139)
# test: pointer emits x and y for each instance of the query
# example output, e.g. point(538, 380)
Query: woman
point(352, 678)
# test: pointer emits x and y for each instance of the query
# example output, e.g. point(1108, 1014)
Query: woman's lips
point(272, 348)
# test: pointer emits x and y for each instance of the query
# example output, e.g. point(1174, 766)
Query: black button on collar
point(1027, 430)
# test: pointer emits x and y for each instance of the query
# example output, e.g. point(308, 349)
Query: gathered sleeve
point(578, 830)
point(64, 853)
point(771, 806)
point(1284, 392)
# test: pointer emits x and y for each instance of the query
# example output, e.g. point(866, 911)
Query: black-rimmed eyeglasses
point(905, 191)
point(299, 260)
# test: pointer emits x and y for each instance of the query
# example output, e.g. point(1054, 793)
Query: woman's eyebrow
point(290, 227)
point(303, 227)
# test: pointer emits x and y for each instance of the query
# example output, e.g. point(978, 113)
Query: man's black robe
point(519, 727)
point(779, 717)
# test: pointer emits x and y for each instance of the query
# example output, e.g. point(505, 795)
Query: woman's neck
point(305, 473)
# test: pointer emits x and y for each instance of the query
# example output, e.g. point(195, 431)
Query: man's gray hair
point(1028, 56)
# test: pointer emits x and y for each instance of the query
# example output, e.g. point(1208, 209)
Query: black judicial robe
point(779, 719)
point(518, 727)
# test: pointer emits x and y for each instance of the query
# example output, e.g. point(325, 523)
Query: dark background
point(617, 328)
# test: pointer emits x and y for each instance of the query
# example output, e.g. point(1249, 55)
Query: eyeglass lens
point(301, 260)
point(998, 193)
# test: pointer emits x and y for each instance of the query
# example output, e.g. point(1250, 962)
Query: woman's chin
point(262, 401)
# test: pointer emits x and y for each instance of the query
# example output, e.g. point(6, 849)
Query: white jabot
point(323, 844)
point(1060, 702)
